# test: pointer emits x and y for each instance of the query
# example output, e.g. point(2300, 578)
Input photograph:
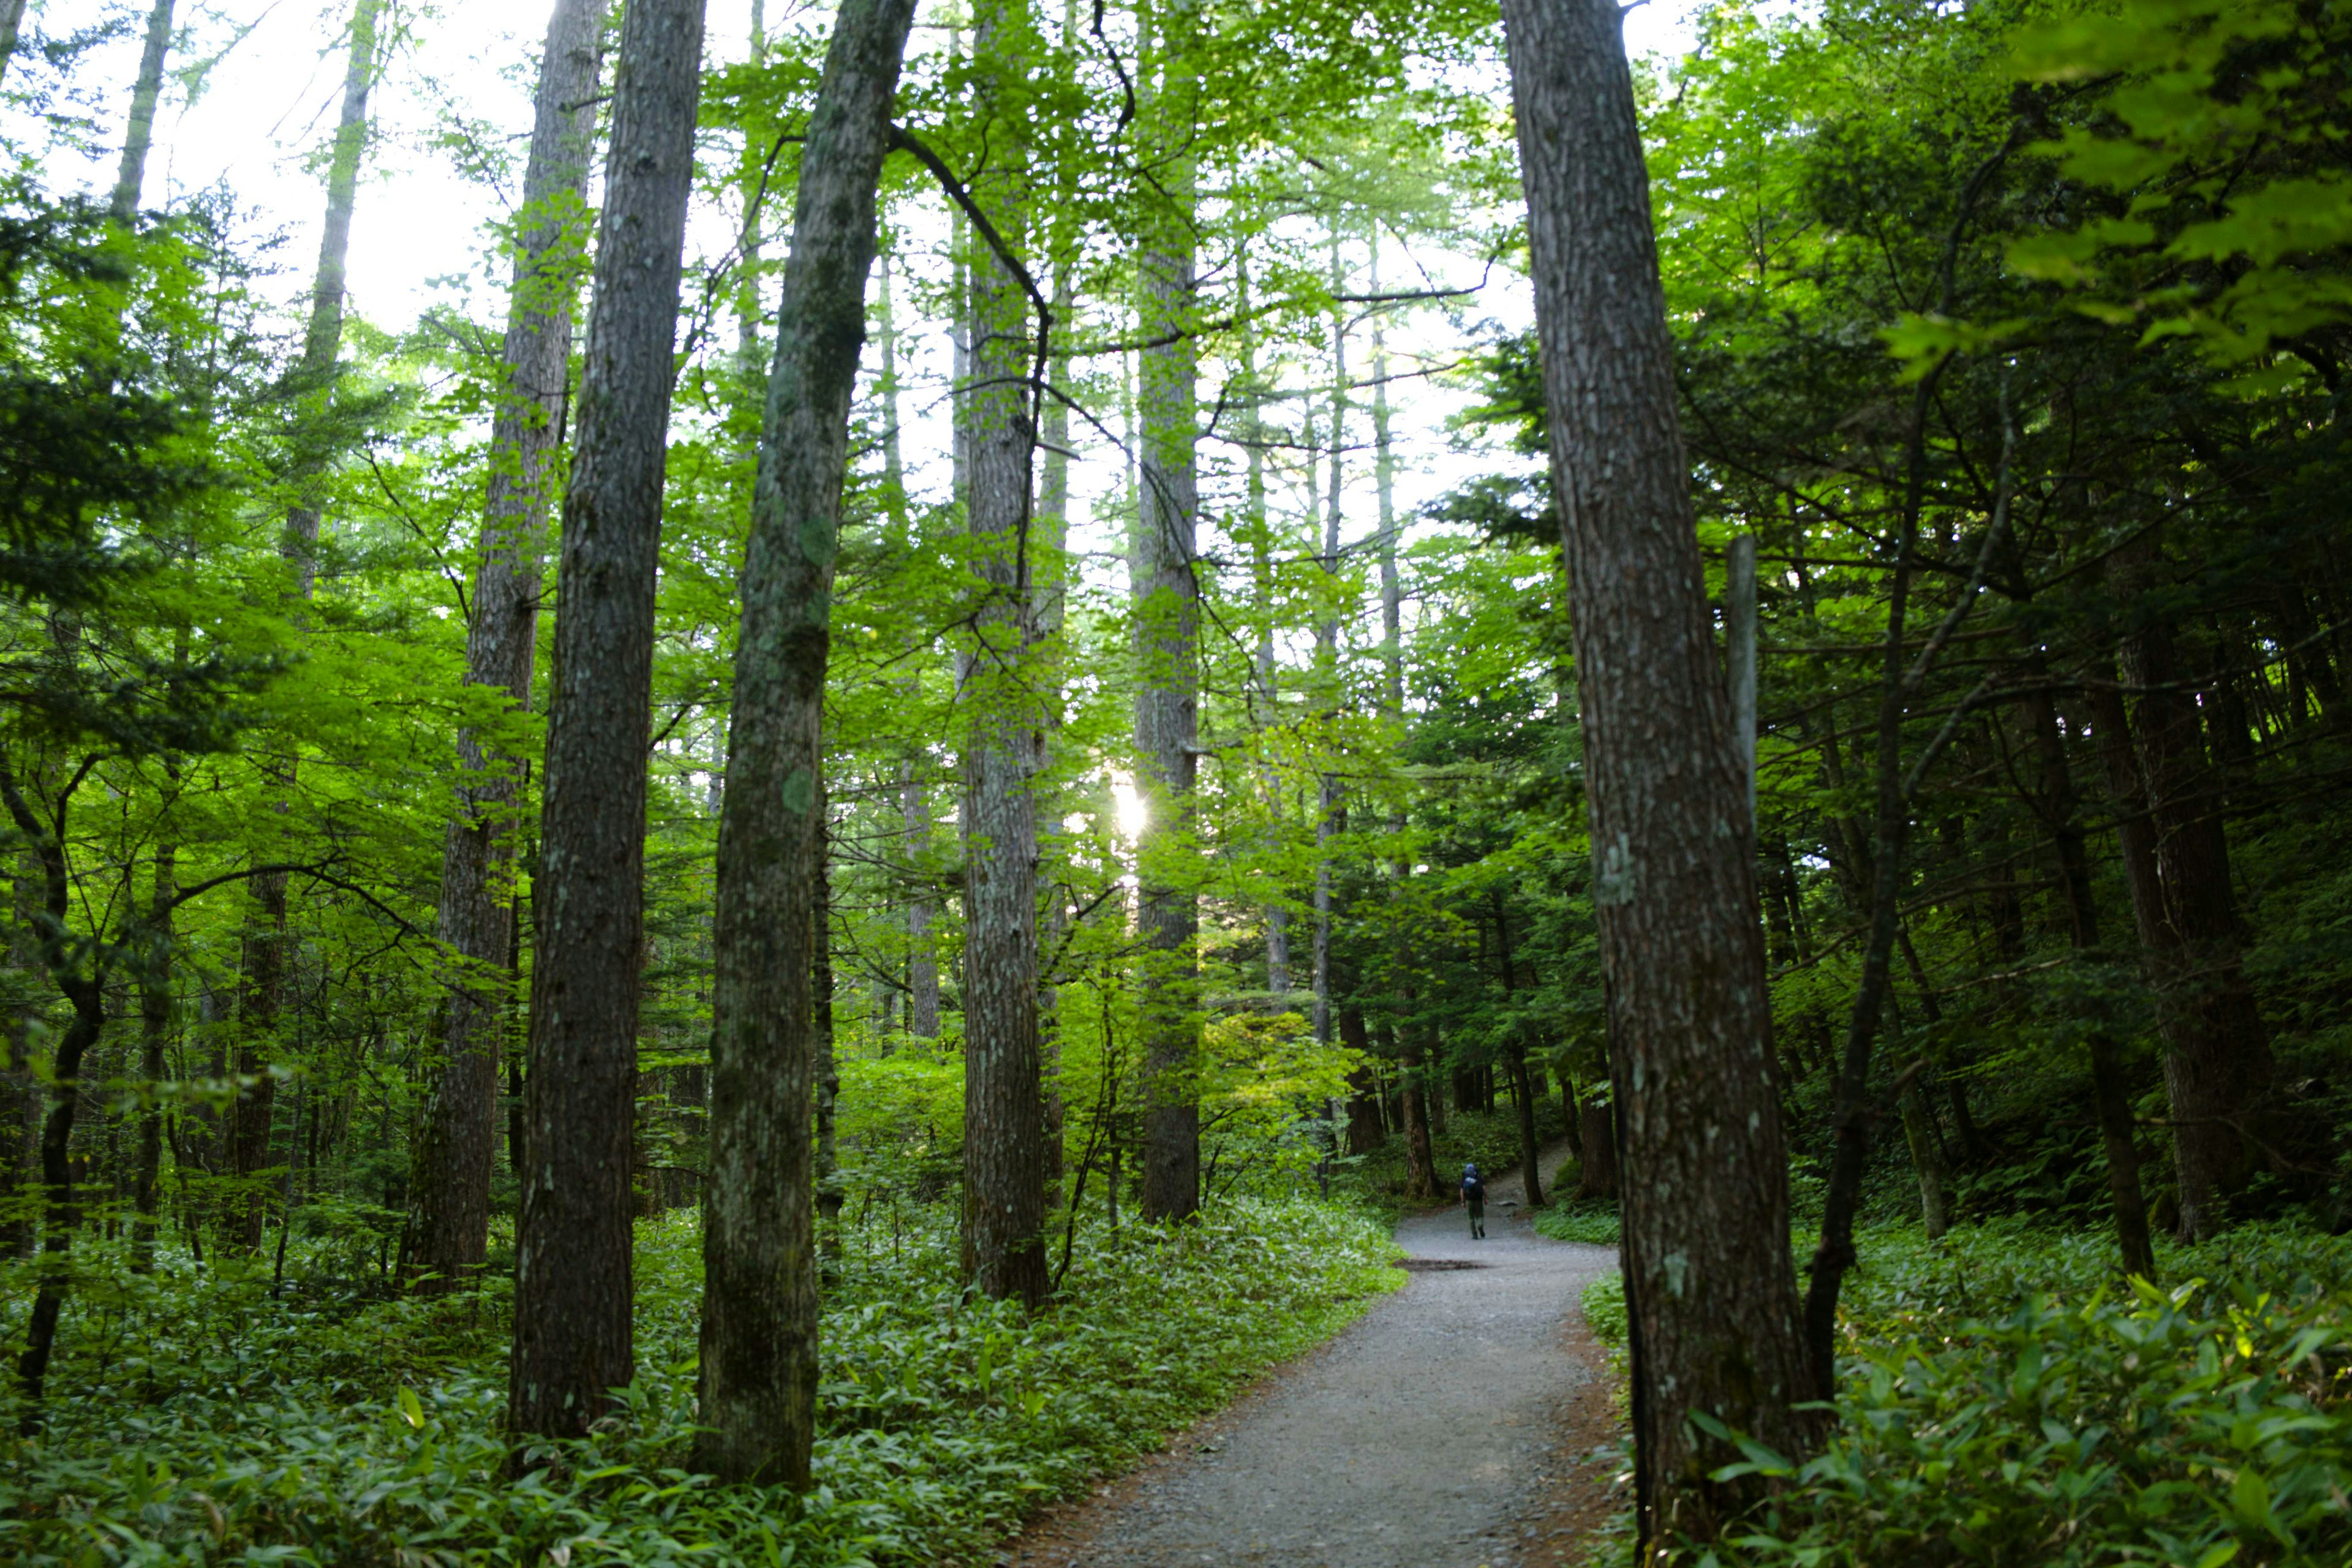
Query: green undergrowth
point(1593, 1222)
point(197, 1419)
point(2005, 1399)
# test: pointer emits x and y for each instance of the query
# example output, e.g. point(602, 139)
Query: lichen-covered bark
point(1709, 1279)
point(573, 1339)
point(760, 1290)
point(448, 1228)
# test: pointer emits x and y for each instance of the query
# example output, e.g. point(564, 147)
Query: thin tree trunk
point(2217, 1061)
point(1167, 633)
point(1927, 1160)
point(84, 991)
point(131, 174)
point(1522, 1081)
point(1328, 811)
point(20, 1093)
point(1005, 1163)
point(1278, 976)
point(1709, 1281)
point(772, 1050)
point(449, 1189)
point(155, 1035)
point(574, 1341)
point(2112, 1093)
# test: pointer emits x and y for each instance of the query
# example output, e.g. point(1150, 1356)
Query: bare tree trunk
point(1709, 1281)
point(771, 1047)
point(84, 990)
point(1596, 1135)
point(155, 1035)
point(131, 174)
point(1522, 1081)
point(20, 1093)
point(2217, 1061)
point(574, 1340)
point(449, 1189)
point(2058, 811)
point(1167, 634)
point(1005, 1163)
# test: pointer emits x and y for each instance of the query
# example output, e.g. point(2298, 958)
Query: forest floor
point(1461, 1423)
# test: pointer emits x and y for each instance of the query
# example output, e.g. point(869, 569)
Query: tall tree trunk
point(770, 1050)
point(2217, 1061)
point(83, 990)
point(1004, 1157)
point(450, 1188)
point(1278, 977)
point(20, 1091)
point(922, 963)
point(574, 1340)
point(2058, 810)
point(1709, 1281)
point(1522, 1082)
point(1167, 636)
point(155, 1035)
point(130, 172)
point(1329, 810)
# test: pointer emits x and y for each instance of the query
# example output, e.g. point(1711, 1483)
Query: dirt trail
point(1425, 1436)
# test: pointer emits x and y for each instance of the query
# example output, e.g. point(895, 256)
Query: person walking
point(1473, 1198)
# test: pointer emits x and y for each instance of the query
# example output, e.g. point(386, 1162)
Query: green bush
point(2003, 1401)
point(196, 1419)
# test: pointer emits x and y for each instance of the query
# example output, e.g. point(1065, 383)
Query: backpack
point(1474, 1189)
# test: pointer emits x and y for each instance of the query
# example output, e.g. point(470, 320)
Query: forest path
point(1432, 1433)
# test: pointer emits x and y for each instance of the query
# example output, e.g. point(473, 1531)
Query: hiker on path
point(1473, 1198)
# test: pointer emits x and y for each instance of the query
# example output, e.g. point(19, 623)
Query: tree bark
point(574, 1340)
point(1598, 1134)
point(1709, 1279)
point(2058, 809)
point(2218, 1062)
point(84, 991)
point(449, 1189)
point(1522, 1081)
point(155, 1035)
point(12, 21)
point(769, 943)
point(1166, 644)
point(139, 135)
point(1005, 1163)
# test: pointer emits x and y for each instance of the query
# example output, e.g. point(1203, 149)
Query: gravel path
point(1414, 1439)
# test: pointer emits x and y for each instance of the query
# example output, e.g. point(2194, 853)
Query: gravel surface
point(1417, 1438)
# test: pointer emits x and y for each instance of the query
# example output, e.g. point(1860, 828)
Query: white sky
point(270, 98)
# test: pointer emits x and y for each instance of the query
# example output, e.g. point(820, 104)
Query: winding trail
point(1429, 1434)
